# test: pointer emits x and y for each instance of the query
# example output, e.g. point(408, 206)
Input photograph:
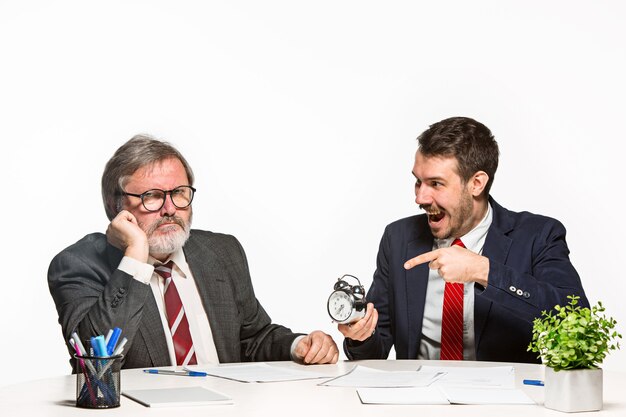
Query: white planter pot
point(573, 390)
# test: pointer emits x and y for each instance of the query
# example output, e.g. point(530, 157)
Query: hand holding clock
point(361, 329)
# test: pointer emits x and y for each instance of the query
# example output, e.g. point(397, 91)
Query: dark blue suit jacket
point(529, 271)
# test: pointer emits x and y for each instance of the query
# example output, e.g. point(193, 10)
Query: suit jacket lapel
point(416, 285)
point(497, 245)
point(206, 267)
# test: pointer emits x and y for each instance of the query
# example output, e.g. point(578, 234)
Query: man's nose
point(422, 196)
point(168, 209)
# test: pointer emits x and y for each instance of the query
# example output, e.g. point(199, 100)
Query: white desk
point(56, 396)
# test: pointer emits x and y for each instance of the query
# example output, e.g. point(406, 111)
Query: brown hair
point(469, 141)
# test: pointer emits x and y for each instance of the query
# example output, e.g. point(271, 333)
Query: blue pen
point(94, 346)
point(533, 382)
point(113, 340)
point(102, 348)
point(179, 373)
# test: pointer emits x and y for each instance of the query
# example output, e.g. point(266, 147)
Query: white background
point(300, 121)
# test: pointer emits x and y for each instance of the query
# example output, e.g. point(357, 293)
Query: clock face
point(340, 306)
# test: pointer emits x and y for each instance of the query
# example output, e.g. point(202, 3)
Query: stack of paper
point(434, 385)
point(475, 376)
point(361, 376)
point(410, 396)
point(440, 394)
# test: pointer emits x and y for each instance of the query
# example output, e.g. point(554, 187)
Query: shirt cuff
point(140, 271)
point(293, 348)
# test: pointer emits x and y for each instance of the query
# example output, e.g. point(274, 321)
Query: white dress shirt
point(199, 327)
point(430, 345)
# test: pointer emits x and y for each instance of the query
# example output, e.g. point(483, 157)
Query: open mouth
point(435, 216)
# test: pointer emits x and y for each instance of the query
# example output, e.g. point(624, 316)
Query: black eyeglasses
point(154, 199)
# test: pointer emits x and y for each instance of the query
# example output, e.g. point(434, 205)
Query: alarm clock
point(346, 303)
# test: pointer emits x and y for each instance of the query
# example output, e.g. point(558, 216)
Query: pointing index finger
point(424, 257)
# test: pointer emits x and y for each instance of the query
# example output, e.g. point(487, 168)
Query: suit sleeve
point(261, 340)
point(538, 275)
point(380, 294)
point(90, 299)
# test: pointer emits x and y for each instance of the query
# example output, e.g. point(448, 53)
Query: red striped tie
point(452, 319)
point(176, 318)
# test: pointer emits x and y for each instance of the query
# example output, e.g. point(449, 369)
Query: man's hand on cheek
point(124, 233)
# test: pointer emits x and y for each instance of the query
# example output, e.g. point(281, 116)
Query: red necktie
point(452, 319)
point(176, 318)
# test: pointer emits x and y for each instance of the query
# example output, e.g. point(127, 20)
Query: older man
point(180, 296)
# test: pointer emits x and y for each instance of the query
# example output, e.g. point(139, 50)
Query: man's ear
point(477, 183)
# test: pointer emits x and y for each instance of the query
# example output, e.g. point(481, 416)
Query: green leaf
point(571, 337)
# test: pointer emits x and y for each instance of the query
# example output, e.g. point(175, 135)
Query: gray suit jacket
point(93, 296)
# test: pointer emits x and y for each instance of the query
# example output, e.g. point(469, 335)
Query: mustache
point(430, 208)
point(167, 220)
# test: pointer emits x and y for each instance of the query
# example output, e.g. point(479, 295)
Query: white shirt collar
point(179, 260)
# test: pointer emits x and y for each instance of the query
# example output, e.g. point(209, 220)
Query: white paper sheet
point(403, 396)
point(361, 376)
point(435, 385)
point(257, 372)
point(442, 395)
point(177, 397)
point(477, 376)
point(464, 395)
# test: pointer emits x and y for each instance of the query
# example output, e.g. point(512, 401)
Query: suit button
point(520, 292)
point(512, 288)
point(526, 294)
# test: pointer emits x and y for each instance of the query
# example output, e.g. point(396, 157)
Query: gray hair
point(138, 152)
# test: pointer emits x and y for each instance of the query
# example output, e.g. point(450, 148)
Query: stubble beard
point(462, 215)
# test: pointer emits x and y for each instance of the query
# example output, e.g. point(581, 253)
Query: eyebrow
point(429, 178)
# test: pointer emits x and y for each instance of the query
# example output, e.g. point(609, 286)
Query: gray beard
point(165, 245)
point(169, 244)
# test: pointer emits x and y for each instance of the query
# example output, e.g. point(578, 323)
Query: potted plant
point(572, 342)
